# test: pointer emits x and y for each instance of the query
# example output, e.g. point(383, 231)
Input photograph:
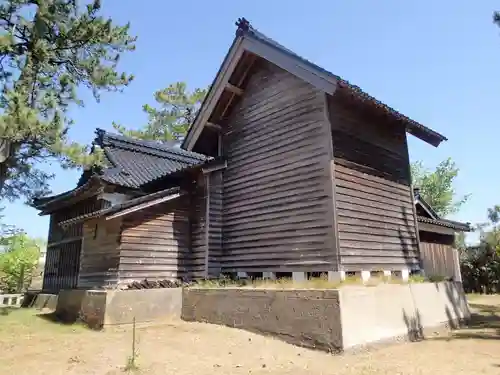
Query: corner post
point(331, 172)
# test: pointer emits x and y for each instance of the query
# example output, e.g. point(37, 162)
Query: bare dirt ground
point(31, 344)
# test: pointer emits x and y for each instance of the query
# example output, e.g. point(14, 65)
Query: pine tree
point(170, 122)
point(48, 49)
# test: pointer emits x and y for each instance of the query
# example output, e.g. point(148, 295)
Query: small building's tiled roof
point(129, 163)
point(152, 199)
point(132, 162)
point(462, 227)
point(434, 217)
point(91, 187)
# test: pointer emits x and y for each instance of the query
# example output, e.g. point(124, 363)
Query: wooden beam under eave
point(233, 89)
point(213, 126)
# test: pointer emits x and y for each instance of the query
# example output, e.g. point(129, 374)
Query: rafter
point(234, 89)
point(213, 126)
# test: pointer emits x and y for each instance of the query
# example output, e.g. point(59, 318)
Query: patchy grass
point(31, 344)
point(31, 321)
point(312, 283)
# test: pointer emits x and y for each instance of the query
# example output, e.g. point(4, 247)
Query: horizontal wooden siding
point(100, 253)
point(215, 223)
point(155, 242)
point(374, 202)
point(277, 206)
point(198, 232)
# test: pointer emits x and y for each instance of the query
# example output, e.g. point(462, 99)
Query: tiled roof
point(91, 187)
point(464, 227)
point(433, 137)
point(436, 220)
point(132, 162)
point(153, 198)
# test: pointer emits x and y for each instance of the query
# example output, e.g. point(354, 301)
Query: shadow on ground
point(54, 318)
point(4, 311)
point(484, 324)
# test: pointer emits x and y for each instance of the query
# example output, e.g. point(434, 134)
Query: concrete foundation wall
point(145, 305)
point(350, 317)
point(99, 308)
point(332, 320)
point(386, 312)
point(308, 318)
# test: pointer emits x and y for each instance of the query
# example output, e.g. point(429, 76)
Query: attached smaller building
point(438, 254)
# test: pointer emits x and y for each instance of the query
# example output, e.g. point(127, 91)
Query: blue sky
point(438, 62)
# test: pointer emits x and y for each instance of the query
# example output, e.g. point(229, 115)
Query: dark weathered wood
point(374, 199)
point(64, 246)
point(277, 177)
point(207, 222)
point(155, 242)
point(65, 241)
point(437, 254)
point(427, 227)
point(197, 230)
point(100, 253)
point(215, 223)
point(233, 89)
point(215, 127)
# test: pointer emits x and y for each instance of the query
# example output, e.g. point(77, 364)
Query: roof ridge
point(159, 153)
point(245, 28)
point(103, 138)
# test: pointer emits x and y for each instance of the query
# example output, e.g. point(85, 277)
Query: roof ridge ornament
point(243, 26)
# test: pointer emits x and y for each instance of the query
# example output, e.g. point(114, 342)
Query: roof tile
point(132, 163)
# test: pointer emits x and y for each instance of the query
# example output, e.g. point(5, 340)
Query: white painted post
point(299, 276)
point(387, 274)
point(269, 275)
point(336, 276)
point(365, 276)
point(405, 275)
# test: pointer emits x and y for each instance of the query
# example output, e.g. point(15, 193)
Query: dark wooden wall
point(374, 201)
point(438, 254)
point(64, 247)
point(198, 230)
point(100, 253)
point(155, 242)
point(215, 223)
point(277, 207)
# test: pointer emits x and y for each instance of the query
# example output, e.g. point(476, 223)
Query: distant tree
point(481, 264)
point(170, 121)
point(490, 233)
point(18, 261)
point(437, 187)
point(48, 49)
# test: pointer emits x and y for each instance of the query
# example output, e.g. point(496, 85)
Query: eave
point(127, 207)
point(92, 187)
point(455, 225)
point(250, 44)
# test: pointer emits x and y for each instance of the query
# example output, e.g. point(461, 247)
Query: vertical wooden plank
point(415, 219)
point(207, 222)
point(331, 182)
point(219, 144)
